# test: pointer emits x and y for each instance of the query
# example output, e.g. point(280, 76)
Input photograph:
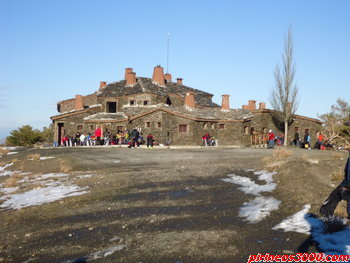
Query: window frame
point(107, 106)
point(181, 126)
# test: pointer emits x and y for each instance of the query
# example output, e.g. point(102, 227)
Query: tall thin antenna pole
point(167, 53)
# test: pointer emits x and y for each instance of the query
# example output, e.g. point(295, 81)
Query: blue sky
point(53, 50)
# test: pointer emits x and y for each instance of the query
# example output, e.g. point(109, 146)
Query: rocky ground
point(160, 205)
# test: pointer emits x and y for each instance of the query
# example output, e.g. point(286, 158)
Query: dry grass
point(340, 211)
point(337, 175)
point(3, 151)
point(277, 159)
point(33, 157)
point(337, 155)
point(64, 166)
point(12, 180)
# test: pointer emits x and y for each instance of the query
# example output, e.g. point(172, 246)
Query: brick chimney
point(131, 78)
point(189, 100)
point(127, 70)
point(103, 84)
point(251, 105)
point(79, 102)
point(179, 81)
point(225, 105)
point(262, 106)
point(158, 75)
point(245, 107)
point(167, 76)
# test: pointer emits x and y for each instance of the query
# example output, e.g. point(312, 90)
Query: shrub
point(24, 136)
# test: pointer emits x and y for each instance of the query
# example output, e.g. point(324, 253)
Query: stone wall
point(262, 123)
point(69, 105)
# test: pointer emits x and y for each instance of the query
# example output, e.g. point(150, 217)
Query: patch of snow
point(329, 243)
point(41, 196)
point(85, 176)
point(258, 208)
point(51, 175)
point(250, 187)
point(114, 239)
point(46, 157)
point(10, 148)
point(311, 161)
point(10, 153)
point(97, 255)
point(9, 190)
point(116, 161)
point(296, 222)
point(3, 172)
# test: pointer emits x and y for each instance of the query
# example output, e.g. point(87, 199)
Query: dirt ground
point(163, 205)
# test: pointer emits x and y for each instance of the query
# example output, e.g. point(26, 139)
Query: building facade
point(170, 111)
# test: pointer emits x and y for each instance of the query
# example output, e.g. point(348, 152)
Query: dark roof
point(209, 114)
point(145, 85)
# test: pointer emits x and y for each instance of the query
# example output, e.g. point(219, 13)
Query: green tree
point(47, 134)
point(24, 136)
point(284, 95)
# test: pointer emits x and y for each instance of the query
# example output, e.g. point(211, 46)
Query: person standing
point(271, 143)
point(297, 139)
point(307, 140)
point(150, 141)
point(98, 134)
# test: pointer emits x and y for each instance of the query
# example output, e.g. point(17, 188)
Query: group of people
point(306, 143)
point(274, 140)
point(208, 140)
point(132, 138)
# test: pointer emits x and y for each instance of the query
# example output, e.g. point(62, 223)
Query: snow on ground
point(39, 196)
point(10, 153)
point(97, 255)
point(296, 222)
point(330, 243)
point(85, 176)
point(52, 187)
point(250, 187)
point(4, 172)
point(46, 157)
point(260, 207)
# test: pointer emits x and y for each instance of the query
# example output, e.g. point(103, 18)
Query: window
point(147, 124)
point(132, 102)
point(111, 107)
point(92, 127)
point(296, 129)
point(182, 128)
point(159, 124)
point(80, 127)
point(252, 131)
point(120, 128)
point(245, 130)
point(205, 126)
point(212, 126)
point(145, 103)
point(168, 101)
point(221, 126)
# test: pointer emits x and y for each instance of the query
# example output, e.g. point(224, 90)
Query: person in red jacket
point(150, 140)
point(271, 143)
point(98, 134)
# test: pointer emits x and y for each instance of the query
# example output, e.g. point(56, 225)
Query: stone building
point(169, 110)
